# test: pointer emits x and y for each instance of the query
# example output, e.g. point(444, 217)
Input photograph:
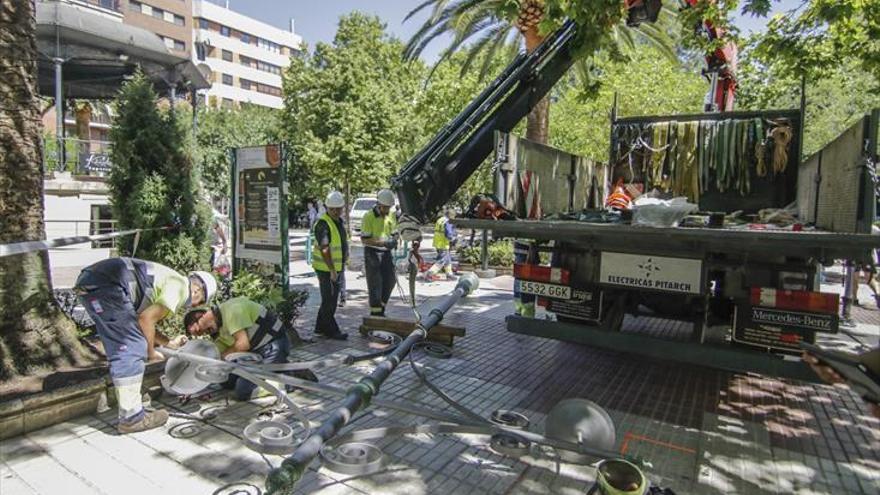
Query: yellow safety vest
point(376, 227)
point(440, 240)
point(335, 247)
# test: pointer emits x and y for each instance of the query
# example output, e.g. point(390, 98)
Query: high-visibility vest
point(440, 240)
point(378, 227)
point(335, 247)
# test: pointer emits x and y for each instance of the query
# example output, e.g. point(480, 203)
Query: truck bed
point(820, 245)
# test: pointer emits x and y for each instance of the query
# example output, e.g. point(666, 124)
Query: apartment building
point(246, 57)
point(171, 20)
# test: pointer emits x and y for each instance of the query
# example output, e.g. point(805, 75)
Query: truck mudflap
point(779, 320)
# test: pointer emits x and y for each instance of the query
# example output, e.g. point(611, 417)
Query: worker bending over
point(329, 254)
point(379, 235)
point(126, 298)
point(241, 325)
point(445, 238)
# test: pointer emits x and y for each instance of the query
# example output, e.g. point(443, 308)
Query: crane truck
point(748, 295)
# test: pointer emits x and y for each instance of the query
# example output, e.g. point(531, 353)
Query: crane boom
point(427, 182)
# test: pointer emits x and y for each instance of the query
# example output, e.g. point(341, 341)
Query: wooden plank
point(408, 326)
point(443, 334)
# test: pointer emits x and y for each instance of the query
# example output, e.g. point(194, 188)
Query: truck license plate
point(544, 290)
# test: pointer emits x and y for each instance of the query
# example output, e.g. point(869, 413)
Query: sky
point(316, 19)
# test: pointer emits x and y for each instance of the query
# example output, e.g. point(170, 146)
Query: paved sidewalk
point(703, 431)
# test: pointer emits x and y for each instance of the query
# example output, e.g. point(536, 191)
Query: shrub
point(254, 287)
point(500, 254)
point(153, 182)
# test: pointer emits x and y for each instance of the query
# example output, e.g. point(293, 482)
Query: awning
point(99, 53)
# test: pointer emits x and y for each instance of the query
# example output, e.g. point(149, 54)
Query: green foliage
point(648, 85)
point(822, 34)
point(255, 288)
point(153, 182)
point(492, 28)
point(348, 109)
point(834, 101)
point(221, 129)
point(500, 254)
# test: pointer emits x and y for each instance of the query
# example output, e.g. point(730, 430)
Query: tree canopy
point(221, 129)
point(348, 110)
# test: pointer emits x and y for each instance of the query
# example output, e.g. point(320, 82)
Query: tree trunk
point(34, 334)
point(538, 122)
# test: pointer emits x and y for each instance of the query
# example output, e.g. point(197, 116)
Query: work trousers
point(326, 322)
point(276, 351)
point(443, 263)
point(106, 298)
point(381, 278)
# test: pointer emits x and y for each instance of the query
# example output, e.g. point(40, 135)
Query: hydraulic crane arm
point(427, 182)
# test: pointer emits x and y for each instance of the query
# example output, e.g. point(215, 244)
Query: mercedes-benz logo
point(649, 267)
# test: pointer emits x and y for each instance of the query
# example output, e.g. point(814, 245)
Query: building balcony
point(87, 159)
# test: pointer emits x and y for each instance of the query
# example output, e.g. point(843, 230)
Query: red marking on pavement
point(632, 436)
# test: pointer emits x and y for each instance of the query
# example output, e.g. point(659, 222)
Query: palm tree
point(493, 31)
point(34, 334)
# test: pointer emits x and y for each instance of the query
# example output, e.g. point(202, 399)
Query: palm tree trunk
point(538, 121)
point(34, 334)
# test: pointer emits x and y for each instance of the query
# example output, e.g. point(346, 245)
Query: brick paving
point(702, 431)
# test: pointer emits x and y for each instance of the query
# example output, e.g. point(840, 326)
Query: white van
point(359, 208)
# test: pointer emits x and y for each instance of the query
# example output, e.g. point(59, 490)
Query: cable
point(437, 391)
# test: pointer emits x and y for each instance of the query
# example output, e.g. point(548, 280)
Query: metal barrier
point(33, 246)
point(84, 227)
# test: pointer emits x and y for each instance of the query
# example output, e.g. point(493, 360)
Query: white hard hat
point(385, 197)
point(335, 200)
point(208, 282)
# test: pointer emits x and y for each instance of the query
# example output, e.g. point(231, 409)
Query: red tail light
point(818, 302)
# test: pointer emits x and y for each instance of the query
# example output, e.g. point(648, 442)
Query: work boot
point(151, 419)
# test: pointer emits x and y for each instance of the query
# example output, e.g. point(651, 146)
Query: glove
point(391, 243)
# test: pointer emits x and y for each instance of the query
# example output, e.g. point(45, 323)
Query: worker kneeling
point(241, 325)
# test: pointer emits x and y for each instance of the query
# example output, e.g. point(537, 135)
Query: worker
point(126, 298)
point(380, 238)
point(242, 325)
point(445, 238)
point(329, 254)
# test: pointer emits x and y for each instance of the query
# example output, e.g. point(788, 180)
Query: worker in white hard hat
point(380, 238)
point(126, 298)
point(329, 254)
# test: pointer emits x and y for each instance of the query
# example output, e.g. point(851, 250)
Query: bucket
point(620, 477)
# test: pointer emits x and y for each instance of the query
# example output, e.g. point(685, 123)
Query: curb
point(41, 410)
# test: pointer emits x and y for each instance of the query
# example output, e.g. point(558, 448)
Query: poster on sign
point(259, 212)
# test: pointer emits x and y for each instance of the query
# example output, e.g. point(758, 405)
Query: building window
point(227, 79)
point(227, 55)
point(179, 46)
point(245, 84)
point(228, 103)
point(224, 31)
point(245, 38)
point(203, 23)
point(200, 51)
point(179, 20)
point(158, 13)
point(109, 4)
point(134, 6)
